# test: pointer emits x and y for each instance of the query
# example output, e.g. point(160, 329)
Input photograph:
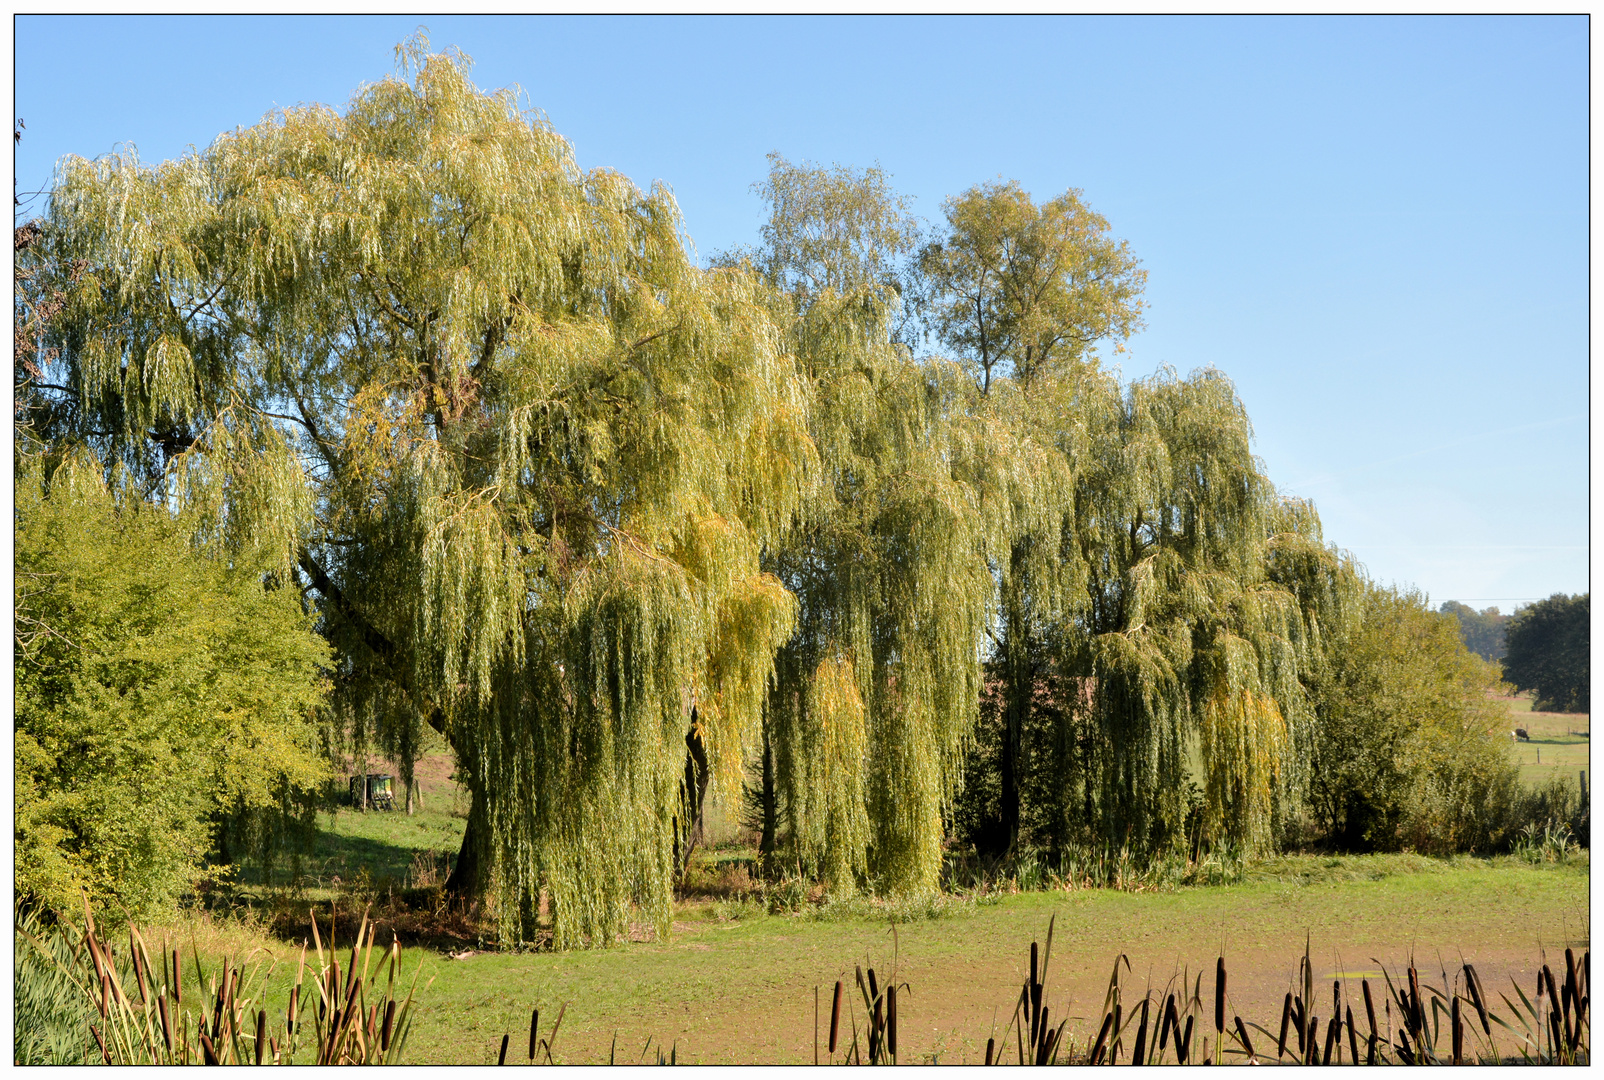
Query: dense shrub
point(159, 695)
point(1410, 749)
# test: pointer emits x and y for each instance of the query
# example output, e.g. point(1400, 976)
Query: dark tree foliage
point(1546, 651)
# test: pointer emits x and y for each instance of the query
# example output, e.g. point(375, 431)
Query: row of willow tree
point(620, 527)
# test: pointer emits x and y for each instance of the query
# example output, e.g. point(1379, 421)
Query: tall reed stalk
point(138, 1011)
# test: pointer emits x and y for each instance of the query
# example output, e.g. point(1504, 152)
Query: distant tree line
point(1481, 631)
point(855, 520)
point(1543, 647)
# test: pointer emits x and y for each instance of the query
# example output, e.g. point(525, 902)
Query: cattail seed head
point(1286, 1016)
point(1219, 995)
point(835, 1016)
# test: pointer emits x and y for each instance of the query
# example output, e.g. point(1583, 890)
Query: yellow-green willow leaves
point(617, 525)
point(887, 555)
point(1206, 597)
point(523, 452)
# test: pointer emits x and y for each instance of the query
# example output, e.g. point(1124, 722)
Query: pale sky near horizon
point(1377, 227)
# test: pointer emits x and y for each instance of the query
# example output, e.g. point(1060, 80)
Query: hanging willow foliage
point(886, 564)
point(1207, 593)
point(590, 511)
point(523, 453)
point(887, 555)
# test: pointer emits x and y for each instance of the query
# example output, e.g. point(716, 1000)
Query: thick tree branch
point(380, 645)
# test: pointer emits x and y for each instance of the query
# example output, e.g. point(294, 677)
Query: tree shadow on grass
point(339, 860)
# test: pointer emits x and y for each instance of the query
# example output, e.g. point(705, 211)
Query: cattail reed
point(1137, 1053)
point(1242, 1033)
point(100, 1043)
point(1219, 996)
point(1547, 975)
point(139, 975)
point(1417, 1013)
point(1102, 1039)
point(1331, 1038)
point(1309, 1057)
point(534, 1032)
point(891, 1021)
point(1183, 1047)
point(991, 1050)
point(389, 1026)
point(1353, 1036)
point(835, 1016)
point(1286, 1016)
point(502, 1058)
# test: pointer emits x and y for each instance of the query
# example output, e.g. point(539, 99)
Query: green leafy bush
point(161, 692)
point(1410, 748)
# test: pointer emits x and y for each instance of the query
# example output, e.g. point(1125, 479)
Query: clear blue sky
point(1376, 226)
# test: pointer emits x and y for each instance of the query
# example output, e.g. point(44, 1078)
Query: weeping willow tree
point(518, 450)
point(1023, 293)
point(874, 696)
point(1207, 598)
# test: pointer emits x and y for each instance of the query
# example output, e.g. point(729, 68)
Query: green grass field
point(1559, 745)
point(741, 990)
point(733, 985)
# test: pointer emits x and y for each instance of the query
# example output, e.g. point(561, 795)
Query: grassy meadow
point(733, 983)
point(1559, 743)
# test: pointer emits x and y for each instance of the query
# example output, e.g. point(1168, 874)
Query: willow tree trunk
point(1019, 680)
point(465, 885)
point(692, 794)
point(770, 807)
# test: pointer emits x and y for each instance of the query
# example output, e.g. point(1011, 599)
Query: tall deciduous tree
point(1410, 748)
point(1022, 292)
point(521, 451)
point(1482, 631)
point(875, 695)
point(1185, 633)
point(162, 696)
point(1020, 288)
point(1546, 650)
